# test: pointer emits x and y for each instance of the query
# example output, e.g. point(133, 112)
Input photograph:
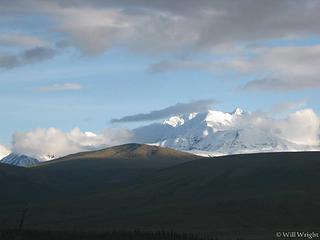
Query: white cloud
point(285, 68)
point(95, 30)
point(42, 143)
point(59, 87)
point(301, 127)
point(4, 151)
point(90, 29)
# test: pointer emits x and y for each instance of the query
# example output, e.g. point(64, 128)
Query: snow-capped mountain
point(204, 133)
point(19, 160)
point(216, 133)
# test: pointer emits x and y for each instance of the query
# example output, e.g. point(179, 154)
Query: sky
point(102, 67)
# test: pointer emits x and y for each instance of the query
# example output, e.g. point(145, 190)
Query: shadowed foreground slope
point(240, 194)
point(16, 184)
point(112, 235)
point(87, 172)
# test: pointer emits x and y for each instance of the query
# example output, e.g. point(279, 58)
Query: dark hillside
point(247, 195)
point(91, 171)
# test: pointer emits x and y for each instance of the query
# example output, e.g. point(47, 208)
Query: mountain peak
point(20, 160)
point(216, 132)
point(237, 111)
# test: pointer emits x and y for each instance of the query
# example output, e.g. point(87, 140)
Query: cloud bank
point(179, 108)
point(175, 27)
point(44, 144)
point(281, 68)
point(97, 26)
point(181, 24)
point(287, 68)
point(301, 127)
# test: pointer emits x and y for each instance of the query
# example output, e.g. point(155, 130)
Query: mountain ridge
point(125, 151)
point(216, 133)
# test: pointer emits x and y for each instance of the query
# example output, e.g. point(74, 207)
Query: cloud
point(29, 56)
point(18, 39)
point(179, 108)
point(97, 26)
point(290, 68)
point(174, 27)
point(184, 25)
point(92, 30)
point(4, 151)
point(9, 61)
point(37, 54)
point(181, 64)
point(286, 68)
point(288, 106)
point(216, 66)
point(301, 127)
point(281, 84)
point(43, 143)
point(60, 87)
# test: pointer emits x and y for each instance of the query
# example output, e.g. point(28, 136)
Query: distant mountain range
point(210, 133)
point(215, 133)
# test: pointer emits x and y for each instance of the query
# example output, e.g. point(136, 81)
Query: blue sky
point(81, 65)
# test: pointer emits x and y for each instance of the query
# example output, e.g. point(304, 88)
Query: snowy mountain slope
point(216, 133)
point(204, 133)
point(19, 160)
